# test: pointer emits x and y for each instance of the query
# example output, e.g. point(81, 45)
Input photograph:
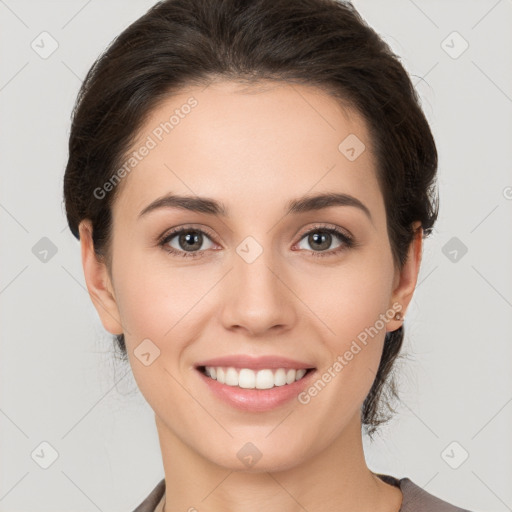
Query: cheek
point(350, 298)
point(153, 297)
point(156, 309)
point(161, 308)
point(354, 306)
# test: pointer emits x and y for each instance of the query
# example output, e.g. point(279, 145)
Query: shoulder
point(416, 499)
point(151, 501)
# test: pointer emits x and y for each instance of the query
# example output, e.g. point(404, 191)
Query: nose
point(257, 297)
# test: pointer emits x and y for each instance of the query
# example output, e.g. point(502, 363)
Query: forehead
point(246, 144)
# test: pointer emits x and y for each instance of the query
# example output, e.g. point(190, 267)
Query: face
point(274, 283)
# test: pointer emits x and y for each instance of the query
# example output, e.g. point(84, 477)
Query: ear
point(405, 280)
point(98, 282)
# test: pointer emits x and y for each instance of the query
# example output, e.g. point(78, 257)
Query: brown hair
point(324, 43)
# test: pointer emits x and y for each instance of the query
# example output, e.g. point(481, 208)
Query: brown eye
point(186, 242)
point(190, 240)
point(321, 238)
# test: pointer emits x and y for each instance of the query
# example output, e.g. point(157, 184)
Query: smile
point(265, 388)
point(246, 378)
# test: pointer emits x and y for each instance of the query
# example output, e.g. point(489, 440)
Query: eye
point(321, 238)
point(188, 244)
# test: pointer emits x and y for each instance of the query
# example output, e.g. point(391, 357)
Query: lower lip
point(256, 400)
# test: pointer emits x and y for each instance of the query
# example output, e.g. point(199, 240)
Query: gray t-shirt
point(415, 499)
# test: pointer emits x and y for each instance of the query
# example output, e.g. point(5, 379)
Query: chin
point(259, 457)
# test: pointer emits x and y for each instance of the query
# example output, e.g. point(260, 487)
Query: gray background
point(59, 382)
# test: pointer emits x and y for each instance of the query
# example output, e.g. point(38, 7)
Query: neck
point(336, 479)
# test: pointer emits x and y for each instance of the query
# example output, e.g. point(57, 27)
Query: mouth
point(247, 378)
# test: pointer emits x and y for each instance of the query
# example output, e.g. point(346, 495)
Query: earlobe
point(408, 277)
point(98, 282)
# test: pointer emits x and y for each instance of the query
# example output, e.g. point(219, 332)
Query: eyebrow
point(213, 207)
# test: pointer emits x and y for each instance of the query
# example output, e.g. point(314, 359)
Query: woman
point(251, 183)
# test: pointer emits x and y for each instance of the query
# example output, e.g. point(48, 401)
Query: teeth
point(231, 377)
point(249, 379)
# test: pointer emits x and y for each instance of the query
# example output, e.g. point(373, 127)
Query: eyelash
point(347, 241)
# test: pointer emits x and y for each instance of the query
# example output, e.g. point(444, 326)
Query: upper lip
point(255, 363)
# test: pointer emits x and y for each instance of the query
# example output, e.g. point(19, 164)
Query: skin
point(254, 150)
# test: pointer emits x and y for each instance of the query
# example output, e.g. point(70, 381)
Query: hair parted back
point(324, 43)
